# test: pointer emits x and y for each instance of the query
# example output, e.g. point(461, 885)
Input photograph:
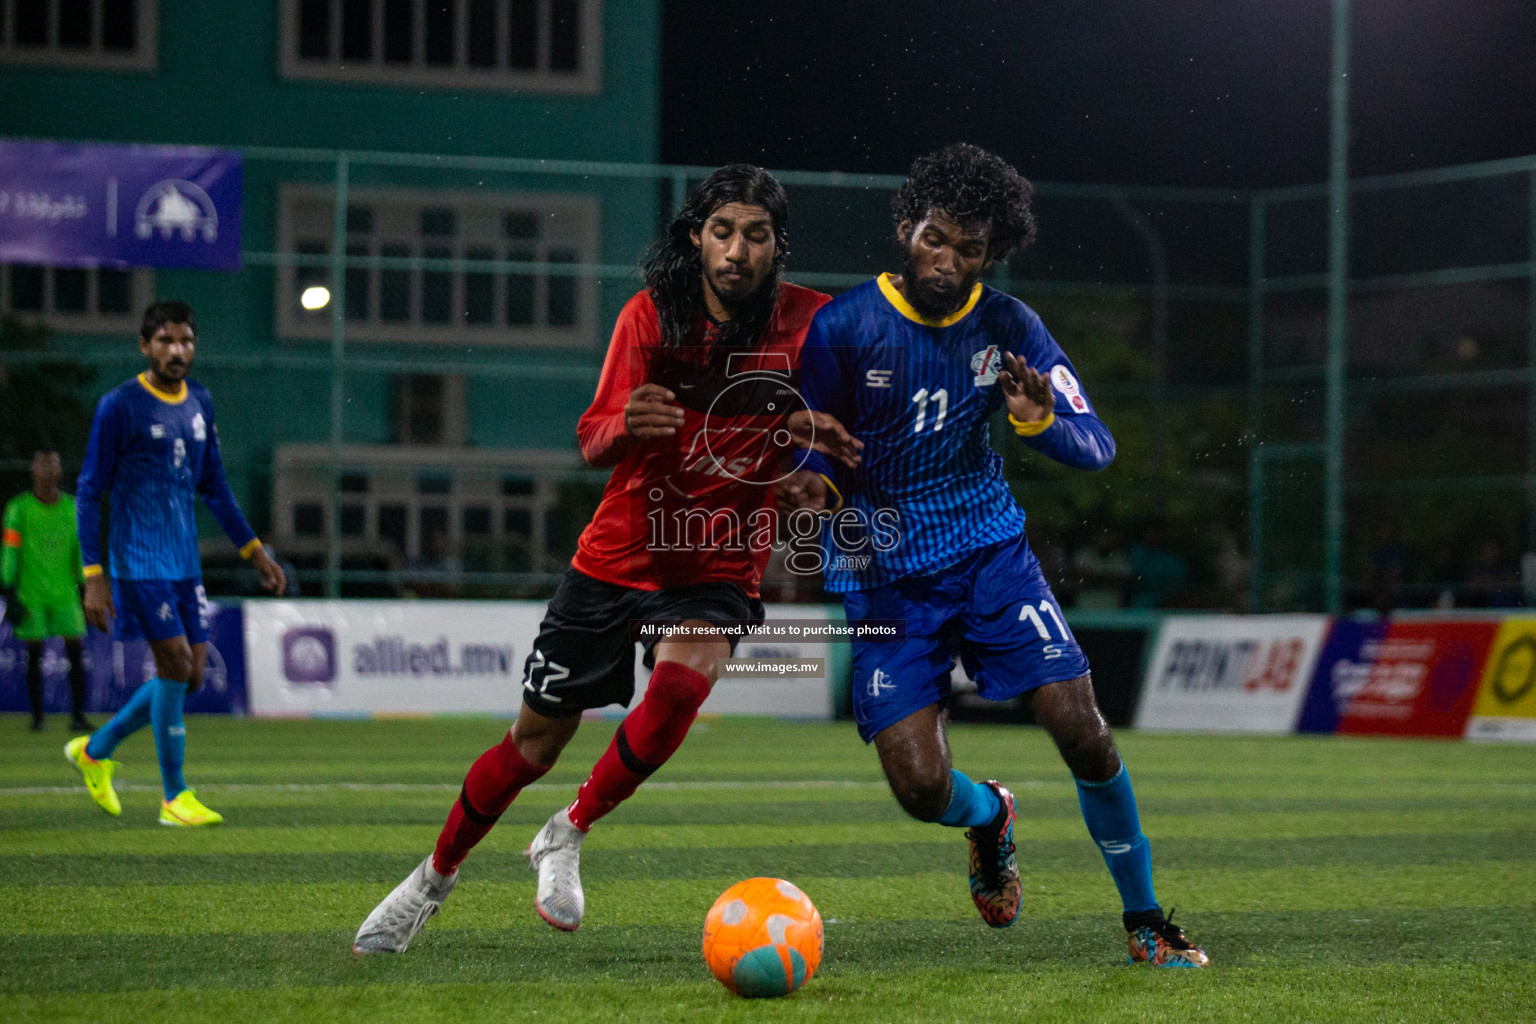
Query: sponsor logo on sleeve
point(1067, 384)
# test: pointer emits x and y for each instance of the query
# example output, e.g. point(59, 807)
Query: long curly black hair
point(674, 270)
point(969, 184)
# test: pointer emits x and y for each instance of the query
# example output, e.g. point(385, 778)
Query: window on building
point(427, 408)
point(76, 298)
point(538, 45)
point(108, 34)
point(463, 508)
point(446, 268)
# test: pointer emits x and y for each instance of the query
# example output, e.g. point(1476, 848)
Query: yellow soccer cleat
point(186, 809)
point(97, 775)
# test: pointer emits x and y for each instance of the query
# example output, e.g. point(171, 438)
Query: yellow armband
point(1032, 428)
point(251, 547)
point(833, 488)
point(90, 570)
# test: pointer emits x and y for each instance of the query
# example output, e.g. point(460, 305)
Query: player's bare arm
point(1027, 391)
point(99, 610)
point(652, 412)
point(822, 432)
point(273, 580)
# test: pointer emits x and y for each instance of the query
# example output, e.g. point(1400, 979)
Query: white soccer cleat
point(555, 854)
point(395, 922)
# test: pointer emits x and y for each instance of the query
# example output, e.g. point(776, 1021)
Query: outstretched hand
point(1027, 391)
point(821, 432)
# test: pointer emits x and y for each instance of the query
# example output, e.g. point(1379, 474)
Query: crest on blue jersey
point(986, 365)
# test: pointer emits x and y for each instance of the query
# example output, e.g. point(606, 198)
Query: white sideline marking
point(439, 787)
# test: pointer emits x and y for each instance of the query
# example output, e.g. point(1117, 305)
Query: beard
point(932, 302)
point(739, 292)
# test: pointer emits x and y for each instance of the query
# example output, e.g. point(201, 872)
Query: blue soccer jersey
point(154, 452)
point(920, 393)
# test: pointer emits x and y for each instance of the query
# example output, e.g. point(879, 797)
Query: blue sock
point(1109, 808)
point(170, 734)
point(971, 802)
point(133, 716)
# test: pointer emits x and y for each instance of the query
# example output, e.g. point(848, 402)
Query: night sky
point(1171, 92)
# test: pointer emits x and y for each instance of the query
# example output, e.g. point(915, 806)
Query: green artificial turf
point(1329, 879)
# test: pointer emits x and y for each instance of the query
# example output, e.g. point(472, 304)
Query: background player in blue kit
point(154, 448)
point(926, 530)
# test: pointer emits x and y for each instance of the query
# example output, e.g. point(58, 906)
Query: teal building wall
point(218, 82)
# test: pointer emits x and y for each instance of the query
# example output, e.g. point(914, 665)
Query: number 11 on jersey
point(940, 399)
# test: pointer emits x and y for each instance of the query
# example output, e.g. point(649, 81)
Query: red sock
point(493, 782)
point(645, 739)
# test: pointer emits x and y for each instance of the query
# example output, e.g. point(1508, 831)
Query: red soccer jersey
point(697, 506)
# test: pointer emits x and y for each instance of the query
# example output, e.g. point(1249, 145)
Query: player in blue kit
point(925, 530)
point(154, 448)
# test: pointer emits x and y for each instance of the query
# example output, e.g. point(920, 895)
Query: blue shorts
point(993, 608)
point(161, 609)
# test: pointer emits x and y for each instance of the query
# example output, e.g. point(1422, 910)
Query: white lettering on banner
point(1386, 680)
point(1230, 673)
point(41, 206)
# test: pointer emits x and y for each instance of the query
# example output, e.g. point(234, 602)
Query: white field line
point(436, 787)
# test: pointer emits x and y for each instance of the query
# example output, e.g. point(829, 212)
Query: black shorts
point(585, 655)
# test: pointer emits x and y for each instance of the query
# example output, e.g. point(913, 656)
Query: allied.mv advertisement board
point(428, 657)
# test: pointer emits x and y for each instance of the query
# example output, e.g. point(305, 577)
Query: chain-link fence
point(401, 362)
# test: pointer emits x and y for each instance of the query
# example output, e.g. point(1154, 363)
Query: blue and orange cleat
point(1156, 940)
point(995, 887)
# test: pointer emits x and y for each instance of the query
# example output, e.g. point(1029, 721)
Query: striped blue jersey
point(920, 394)
point(154, 453)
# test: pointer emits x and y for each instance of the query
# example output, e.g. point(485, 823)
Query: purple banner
point(113, 670)
point(77, 205)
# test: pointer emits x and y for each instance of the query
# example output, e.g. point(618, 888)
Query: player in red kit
point(693, 413)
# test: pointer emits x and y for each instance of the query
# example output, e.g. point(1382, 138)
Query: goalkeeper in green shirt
point(40, 573)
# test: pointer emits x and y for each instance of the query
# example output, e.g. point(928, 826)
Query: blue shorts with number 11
point(993, 608)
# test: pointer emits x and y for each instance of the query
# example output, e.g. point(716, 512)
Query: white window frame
point(301, 475)
point(481, 213)
point(145, 55)
point(585, 80)
point(141, 289)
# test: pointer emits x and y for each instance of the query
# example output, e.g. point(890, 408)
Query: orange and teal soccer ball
point(763, 938)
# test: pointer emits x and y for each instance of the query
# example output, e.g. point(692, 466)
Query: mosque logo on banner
point(176, 208)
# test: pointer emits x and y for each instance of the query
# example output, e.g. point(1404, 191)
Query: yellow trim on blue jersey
point(90, 570)
point(833, 488)
point(904, 307)
point(1033, 427)
point(250, 547)
point(167, 397)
